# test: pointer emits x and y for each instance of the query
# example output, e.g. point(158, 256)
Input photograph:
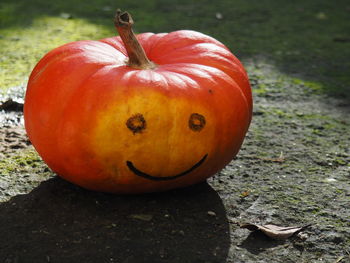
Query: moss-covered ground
point(293, 169)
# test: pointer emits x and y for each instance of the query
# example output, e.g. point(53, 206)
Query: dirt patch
point(12, 139)
point(293, 170)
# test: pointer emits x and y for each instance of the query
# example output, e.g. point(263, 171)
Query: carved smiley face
point(137, 124)
point(159, 141)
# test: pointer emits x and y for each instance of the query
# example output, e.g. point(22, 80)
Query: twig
point(280, 159)
point(339, 259)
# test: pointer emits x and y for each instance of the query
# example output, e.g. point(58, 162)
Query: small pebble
point(303, 236)
point(219, 16)
point(211, 213)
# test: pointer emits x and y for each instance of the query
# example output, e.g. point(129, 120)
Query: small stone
point(219, 16)
point(211, 213)
point(65, 15)
point(330, 180)
point(303, 236)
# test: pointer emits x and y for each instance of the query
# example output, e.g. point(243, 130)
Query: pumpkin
point(138, 113)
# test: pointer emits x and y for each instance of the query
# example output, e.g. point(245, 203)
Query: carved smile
point(158, 178)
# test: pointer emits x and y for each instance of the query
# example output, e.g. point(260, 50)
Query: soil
point(292, 170)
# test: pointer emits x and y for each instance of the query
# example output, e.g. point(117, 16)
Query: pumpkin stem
point(137, 56)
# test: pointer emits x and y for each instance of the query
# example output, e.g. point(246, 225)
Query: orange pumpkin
point(135, 114)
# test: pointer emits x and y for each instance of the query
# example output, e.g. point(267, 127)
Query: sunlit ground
point(308, 41)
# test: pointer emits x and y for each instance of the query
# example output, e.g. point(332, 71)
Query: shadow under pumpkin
point(60, 222)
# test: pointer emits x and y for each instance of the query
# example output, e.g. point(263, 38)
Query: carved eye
point(136, 123)
point(196, 122)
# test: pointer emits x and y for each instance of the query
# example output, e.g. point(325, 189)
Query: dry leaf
point(273, 231)
point(339, 259)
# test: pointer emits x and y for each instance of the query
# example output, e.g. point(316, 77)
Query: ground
point(292, 170)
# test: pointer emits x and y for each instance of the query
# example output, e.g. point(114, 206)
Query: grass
point(308, 40)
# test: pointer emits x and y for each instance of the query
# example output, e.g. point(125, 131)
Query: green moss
point(339, 191)
point(291, 200)
point(317, 211)
point(22, 48)
point(280, 113)
point(24, 161)
point(316, 87)
point(262, 89)
point(340, 161)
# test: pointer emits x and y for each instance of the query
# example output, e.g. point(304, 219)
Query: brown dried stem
point(137, 56)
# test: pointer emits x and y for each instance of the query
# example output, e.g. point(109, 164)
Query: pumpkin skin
point(106, 126)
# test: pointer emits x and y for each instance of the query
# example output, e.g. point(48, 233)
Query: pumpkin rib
point(179, 68)
point(116, 43)
point(199, 48)
point(60, 51)
point(67, 112)
point(235, 72)
point(153, 41)
point(155, 79)
point(144, 40)
point(184, 68)
point(99, 47)
point(211, 75)
point(51, 58)
point(147, 40)
point(181, 38)
point(59, 60)
point(174, 71)
point(65, 53)
point(205, 57)
point(178, 81)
